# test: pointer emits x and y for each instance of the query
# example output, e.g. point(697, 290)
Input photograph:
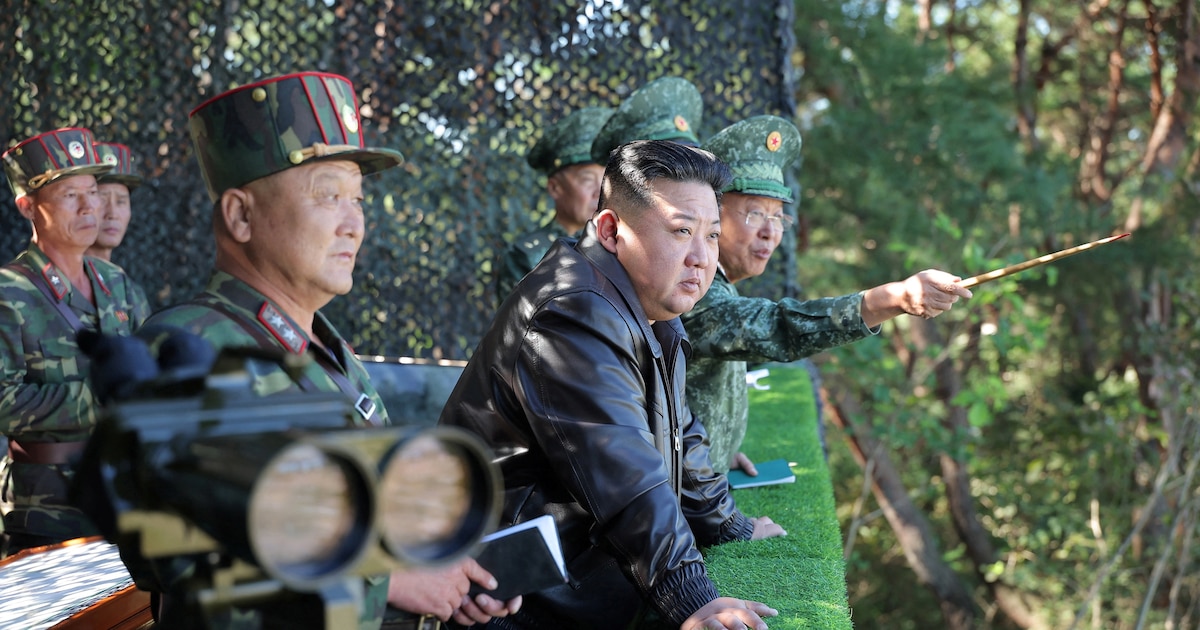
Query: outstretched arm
point(925, 294)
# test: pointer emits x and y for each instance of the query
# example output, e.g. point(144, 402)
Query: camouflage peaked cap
point(121, 159)
point(569, 140)
point(666, 109)
point(757, 150)
point(263, 128)
point(50, 156)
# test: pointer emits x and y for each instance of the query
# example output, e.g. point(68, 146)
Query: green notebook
point(769, 473)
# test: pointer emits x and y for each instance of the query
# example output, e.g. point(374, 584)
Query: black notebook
point(523, 558)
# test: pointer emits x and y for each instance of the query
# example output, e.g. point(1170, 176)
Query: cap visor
point(369, 160)
point(71, 171)
point(130, 181)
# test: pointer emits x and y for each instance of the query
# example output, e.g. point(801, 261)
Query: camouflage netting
point(461, 87)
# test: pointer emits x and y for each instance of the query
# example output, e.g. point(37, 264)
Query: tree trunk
point(958, 487)
point(912, 529)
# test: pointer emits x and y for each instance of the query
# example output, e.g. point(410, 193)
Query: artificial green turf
point(801, 575)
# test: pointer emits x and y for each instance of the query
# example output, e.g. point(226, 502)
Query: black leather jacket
point(583, 402)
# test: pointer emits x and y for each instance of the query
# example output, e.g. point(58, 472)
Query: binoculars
point(274, 497)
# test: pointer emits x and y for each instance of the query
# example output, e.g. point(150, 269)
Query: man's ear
point(554, 187)
point(236, 205)
point(606, 228)
point(25, 206)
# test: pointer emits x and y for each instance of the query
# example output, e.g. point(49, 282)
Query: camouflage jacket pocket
point(58, 361)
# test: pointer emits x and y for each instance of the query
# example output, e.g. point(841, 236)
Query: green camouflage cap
point(50, 156)
point(569, 140)
point(757, 150)
point(263, 128)
point(666, 109)
point(121, 159)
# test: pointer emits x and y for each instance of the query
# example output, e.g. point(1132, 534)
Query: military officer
point(47, 295)
point(564, 156)
point(284, 160)
point(115, 211)
point(115, 187)
point(727, 330)
point(669, 108)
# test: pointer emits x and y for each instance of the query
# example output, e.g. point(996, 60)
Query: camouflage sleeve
point(512, 266)
point(737, 328)
point(41, 388)
point(139, 306)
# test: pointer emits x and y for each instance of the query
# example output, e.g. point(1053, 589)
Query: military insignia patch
point(110, 159)
point(57, 284)
point(365, 406)
point(681, 123)
point(99, 279)
point(121, 316)
point(281, 329)
point(75, 148)
point(774, 141)
point(349, 118)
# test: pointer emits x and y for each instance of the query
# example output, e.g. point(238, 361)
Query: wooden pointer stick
point(1029, 264)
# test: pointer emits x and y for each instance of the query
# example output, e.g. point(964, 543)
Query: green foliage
point(910, 163)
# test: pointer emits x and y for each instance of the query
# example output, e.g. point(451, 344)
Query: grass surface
point(801, 575)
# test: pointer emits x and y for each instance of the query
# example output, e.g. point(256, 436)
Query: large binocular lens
point(307, 513)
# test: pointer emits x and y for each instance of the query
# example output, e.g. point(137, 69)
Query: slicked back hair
point(633, 166)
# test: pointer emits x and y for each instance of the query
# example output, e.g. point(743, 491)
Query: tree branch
point(912, 529)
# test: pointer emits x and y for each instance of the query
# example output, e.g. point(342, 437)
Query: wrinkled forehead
point(329, 172)
point(73, 183)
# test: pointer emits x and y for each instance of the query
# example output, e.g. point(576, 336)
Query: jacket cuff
point(683, 593)
point(738, 527)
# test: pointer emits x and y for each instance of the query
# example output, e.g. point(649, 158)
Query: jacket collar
point(37, 259)
point(272, 318)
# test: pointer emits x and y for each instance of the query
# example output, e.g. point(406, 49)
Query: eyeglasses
point(780, 222)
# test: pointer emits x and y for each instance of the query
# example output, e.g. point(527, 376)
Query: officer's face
point(64, 213)
point(114, 215)
point(669, 250)
point(576, 192)
point(306, 225)
point(745, 249)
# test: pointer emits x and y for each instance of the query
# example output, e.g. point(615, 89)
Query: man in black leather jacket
point(579, 388)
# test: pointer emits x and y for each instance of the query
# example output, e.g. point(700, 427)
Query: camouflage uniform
point(46, 402)
point(44, 392)
point(669, 108)
point(523, 254)
point(243, 135)
point(567, 142)
point(231, 314)
point(121, 159)
point(728, 330)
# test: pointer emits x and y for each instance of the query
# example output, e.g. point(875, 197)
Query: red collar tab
point(282, 329)
point(56, 282)
point(99, 279)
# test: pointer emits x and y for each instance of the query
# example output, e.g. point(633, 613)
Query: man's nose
point(700, 256)
point(354, 222)
point(91, 203)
